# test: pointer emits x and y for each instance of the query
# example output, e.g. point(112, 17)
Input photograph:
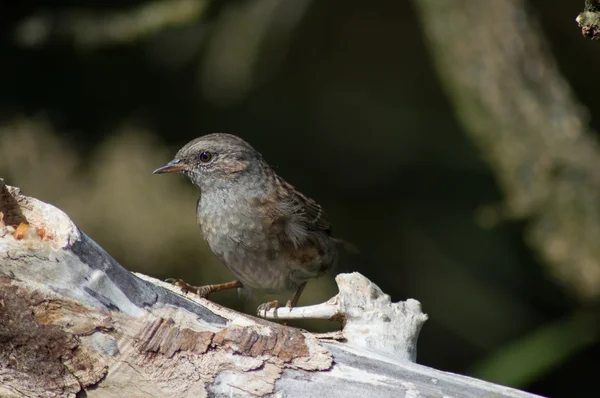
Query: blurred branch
point(91, 29)
point(589, 20)
point(249, 40)
point(519, 110)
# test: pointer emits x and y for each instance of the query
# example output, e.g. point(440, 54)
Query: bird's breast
point(245, 241)
point(227, 223)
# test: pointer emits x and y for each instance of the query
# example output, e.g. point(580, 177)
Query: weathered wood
point(72, 320)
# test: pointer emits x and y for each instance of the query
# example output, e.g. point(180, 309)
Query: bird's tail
point(349, 247)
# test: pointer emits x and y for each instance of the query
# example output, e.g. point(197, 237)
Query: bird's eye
point(205, 157)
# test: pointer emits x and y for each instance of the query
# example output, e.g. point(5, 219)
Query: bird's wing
point(314, 215)
point(292, 217)
point(307, 211)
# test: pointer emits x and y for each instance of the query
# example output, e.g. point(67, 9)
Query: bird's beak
point(171, 167)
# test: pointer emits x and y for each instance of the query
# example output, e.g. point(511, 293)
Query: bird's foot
point(263, 308)
point(201, 291)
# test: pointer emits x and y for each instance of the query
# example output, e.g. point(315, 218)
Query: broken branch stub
point(373, 322)
point(369, 318)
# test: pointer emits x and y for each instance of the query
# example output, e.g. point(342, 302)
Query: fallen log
point(73, 322)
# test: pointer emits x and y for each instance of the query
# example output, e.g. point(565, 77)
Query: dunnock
point(270, 236)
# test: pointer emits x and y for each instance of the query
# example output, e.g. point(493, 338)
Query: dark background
point(343, 100)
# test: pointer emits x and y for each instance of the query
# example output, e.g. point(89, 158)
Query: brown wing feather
point(310, 213)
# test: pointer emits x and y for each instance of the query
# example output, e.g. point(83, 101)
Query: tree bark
point(73, 321)
point(511, 98)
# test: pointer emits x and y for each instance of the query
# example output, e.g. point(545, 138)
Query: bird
point(269, 235)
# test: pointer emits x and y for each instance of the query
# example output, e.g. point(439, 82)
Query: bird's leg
point(292, 303)
point(206, 290)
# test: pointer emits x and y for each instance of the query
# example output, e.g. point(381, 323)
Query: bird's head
point(213, 160)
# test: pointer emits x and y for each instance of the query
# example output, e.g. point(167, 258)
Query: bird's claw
point(201, 291)
point(180, 284)
point(263, 308)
